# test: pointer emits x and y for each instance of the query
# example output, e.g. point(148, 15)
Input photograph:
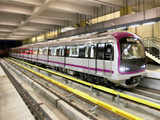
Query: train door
point(43, 55)
point(108, 58)
point(92, 59)
point(31, 52)
point(100, 63)
point(105, 53)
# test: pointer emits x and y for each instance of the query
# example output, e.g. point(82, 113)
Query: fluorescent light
point(121, 28)
point(67, 29)
point(110, 30)
point(149, 23)
point(135, 25)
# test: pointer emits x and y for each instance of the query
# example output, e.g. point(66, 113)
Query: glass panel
point(131, 48)
point(109, 52)
point(67, 52)
point(86, 52)
point(74, 52)
point(93, 51)
point(100, 51)
point(132, 54)
point(82, 51)
point(45, 51)
point(35, 51)
point(62, 54)
point(57, 52)
point(40, 51)
point(52, 51)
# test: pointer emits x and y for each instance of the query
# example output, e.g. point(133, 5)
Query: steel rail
point(105, 89)
point(82, 94)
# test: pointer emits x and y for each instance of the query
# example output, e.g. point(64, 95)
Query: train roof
point(81, 39)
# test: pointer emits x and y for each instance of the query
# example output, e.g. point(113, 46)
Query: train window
point(86, 52)
point(109, 52)
point(52, 51)
point(60, 51)
point(35, 51)
point(82, 51)
point(67, 52)
point(63, 52)
point(49, 52)
point(45, 51)
point(40, 51)
point(73, 52)
point(57, 52)
point(100, 51)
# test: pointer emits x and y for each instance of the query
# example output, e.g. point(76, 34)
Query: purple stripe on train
point(78, 66)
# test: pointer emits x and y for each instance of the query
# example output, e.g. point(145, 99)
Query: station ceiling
point(22, 19)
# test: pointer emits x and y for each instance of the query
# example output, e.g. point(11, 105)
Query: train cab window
point(109, 52)
point(100, 51)
point(82, 51)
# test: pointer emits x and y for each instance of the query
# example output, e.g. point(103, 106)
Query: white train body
point(118, 57)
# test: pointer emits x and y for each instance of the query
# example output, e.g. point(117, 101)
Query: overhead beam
point(37, 11)
point(111, 3)
point(72, 8)
point(23, 34)
point(5, 30)
point(32, 29)
point(11, 38)
point(15, 9)
point(41, 26)
point(151, 15)
point(48, 22)
point(17, 36)
point(29, 2)
point(3, 34)
point(57, 15)
point(9, 23)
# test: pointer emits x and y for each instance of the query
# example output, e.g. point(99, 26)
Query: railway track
point(85, 107)
point(32, 104)
point(112, 99)
point(27, 81)
point(147, 93)
point(118, 93)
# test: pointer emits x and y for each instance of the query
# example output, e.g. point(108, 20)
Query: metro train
point(117, 58)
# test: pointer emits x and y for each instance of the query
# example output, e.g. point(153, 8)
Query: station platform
point(152, 77)
point(12, 105)
point(153, 71)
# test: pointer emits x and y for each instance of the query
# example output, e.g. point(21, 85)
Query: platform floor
point(12, 107)
point(153, 71)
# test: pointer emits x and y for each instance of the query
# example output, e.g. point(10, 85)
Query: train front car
point(131, 59)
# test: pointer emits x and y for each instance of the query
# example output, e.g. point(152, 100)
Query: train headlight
point(143, 66)
point(124, 69)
